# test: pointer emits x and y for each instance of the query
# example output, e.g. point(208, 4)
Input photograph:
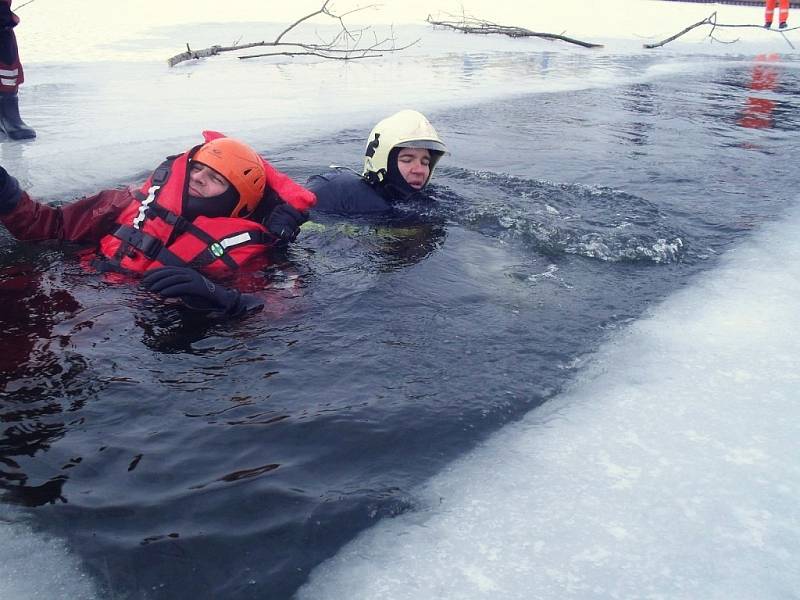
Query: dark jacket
point(346, 193)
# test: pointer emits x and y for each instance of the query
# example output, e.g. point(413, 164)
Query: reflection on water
point(758, 112)
point(593, 222)
point(36, 381)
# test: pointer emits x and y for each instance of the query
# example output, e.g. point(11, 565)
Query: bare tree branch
point(709, 20)
point(712, 20)
point(321, 11)
point(374, 51)
point(309, 53)
point(479, 26)
point(345, 45)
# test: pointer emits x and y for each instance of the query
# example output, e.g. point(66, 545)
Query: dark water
point(181, 458)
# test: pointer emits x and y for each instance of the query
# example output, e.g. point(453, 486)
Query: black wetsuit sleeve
point(346, 193)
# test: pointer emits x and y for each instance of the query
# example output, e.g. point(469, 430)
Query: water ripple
point(551, 218)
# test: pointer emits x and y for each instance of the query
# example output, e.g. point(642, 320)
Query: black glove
point(198, 293)
point(9, 192)
point(284, 222)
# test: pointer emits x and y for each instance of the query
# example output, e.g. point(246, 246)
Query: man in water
point(215, 208)
point(401, 154)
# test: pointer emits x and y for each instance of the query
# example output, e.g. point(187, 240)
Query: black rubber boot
point(10, 121)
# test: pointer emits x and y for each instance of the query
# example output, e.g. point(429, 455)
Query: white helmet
point(405, 129)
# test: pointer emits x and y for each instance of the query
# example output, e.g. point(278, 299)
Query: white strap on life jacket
point(219, 248)
point(151, 195)
point(235, 240)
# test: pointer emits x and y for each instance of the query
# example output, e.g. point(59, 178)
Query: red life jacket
point(151, 232)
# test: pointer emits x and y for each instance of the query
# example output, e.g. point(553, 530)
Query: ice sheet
point(669, 470)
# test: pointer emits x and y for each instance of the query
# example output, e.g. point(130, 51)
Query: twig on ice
point(712, 20)
point(345, 45)
point(479, 26)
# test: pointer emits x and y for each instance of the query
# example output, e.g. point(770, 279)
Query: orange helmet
point(240, 165)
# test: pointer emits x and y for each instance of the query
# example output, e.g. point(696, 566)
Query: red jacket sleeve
point(85, 221)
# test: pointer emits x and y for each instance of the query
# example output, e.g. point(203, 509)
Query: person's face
point(205, 182)
point(414, 165)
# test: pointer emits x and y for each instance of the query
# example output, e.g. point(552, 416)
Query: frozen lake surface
point(572, 376)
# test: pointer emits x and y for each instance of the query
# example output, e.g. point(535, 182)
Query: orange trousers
point(783, 14)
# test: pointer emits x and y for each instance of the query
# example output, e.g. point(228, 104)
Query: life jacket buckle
point(217, 249)
point(150, 246)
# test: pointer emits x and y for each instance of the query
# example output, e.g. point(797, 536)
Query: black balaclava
point(394, 182)
point(221, 205)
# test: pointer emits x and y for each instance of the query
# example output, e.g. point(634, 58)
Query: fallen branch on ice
point(479, 26)
point(346, 44)
point(712, 20)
